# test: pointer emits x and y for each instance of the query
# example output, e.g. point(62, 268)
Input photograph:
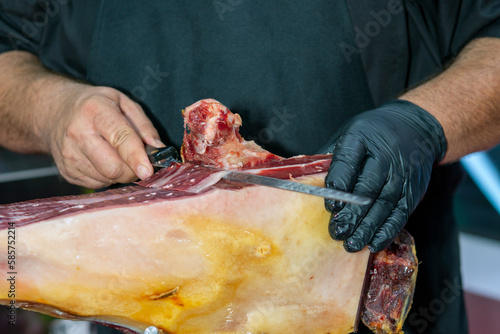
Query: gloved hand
point(387, 154)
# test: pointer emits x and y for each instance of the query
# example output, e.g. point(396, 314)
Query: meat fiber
point(187, 252)
point(212, 138)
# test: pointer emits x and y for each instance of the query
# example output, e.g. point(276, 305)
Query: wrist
point(31, 98)
point(433, 139)
point(51, 97)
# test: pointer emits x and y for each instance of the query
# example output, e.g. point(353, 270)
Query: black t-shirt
point(292, 86)
point(398, 51)
point(400, 44)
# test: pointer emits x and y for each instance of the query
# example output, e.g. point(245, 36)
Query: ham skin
point(393, 275)
point(188, 252)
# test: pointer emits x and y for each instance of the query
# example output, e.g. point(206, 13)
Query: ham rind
point(229, 260)
point(393, 275)
point(195, 178)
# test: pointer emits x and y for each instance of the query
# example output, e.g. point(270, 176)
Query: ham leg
point(223, 260)
point(187, 252)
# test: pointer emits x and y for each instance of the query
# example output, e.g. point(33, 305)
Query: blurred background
point(477, 208)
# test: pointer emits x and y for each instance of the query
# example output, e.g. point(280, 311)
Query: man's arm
point(388, 153)
point(96, 135)
point(465, 99)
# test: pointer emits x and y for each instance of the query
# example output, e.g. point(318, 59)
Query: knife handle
point(162, 156)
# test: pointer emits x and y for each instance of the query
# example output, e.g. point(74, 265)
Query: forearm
point(96, 135)
point(465, 99)
point(27, 92)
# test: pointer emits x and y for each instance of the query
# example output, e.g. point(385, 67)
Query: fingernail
point(159, 143)
point(349, 247)
point(352, 246)
point(342, 231)
point(332, 229)
point(142, 172)
point(333, 206)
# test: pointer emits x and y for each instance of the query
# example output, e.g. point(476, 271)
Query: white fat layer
point(249, 261)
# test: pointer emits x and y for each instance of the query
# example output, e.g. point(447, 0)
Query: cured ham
point(212, 138)
point(212, 260)
point(188, 252)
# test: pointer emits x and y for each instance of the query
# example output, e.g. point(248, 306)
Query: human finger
point(106, 162)
point(84, 175)
point(139, 121)
point(74, 165)
point(391, 227)
point(122, 137)
point(87, 182)
point(377, 214)
point(369, 183)
point(347, 160)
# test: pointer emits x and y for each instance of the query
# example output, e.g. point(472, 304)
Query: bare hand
point(97, 137)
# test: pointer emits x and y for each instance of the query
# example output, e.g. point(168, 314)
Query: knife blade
point(297, 187)
point(165, 156)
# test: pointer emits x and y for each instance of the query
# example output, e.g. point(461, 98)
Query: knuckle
point(103, 91)
point(396, 221)
point(364, 186)
point(68, 156)
point(118, 172)
point(147, 127)
point(106, 91)
point(98, 100)
point(90, 106)
point(113, 171)
point(138, 106)
point(97, 184)
point(120, 136)
point(73, 132)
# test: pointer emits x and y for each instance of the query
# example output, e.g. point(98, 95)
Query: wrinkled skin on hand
point(387, 154)
point(97, 135)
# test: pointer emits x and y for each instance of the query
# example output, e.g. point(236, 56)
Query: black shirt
point(401, 43)
point(384, 48)
point(410, 46)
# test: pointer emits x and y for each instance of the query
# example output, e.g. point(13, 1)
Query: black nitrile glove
point(386, 154)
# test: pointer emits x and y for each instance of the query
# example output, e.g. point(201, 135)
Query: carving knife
point(163, 157)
